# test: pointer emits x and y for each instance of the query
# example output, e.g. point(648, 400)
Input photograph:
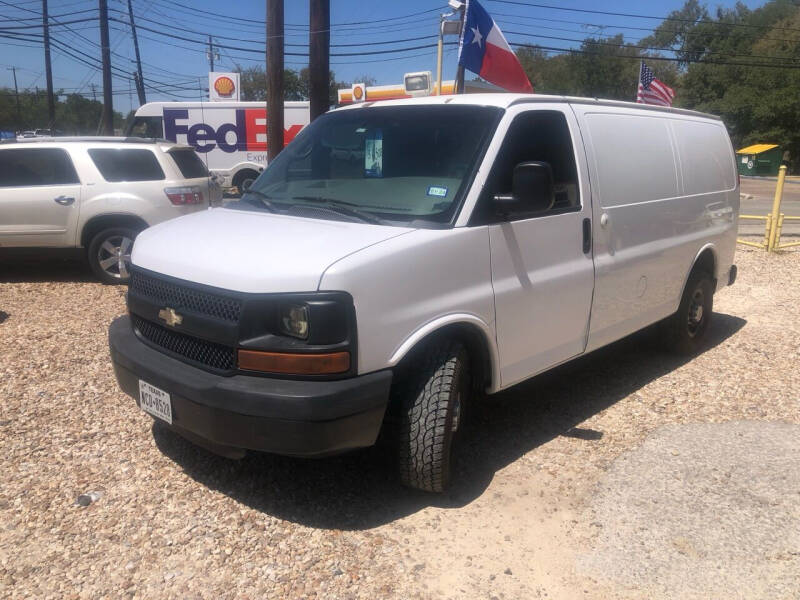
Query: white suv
point(96, 194)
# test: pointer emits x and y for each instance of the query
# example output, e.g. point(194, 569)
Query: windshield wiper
point(343, 207)
point(263, 199)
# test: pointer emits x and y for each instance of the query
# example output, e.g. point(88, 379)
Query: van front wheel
point(432, 411)
point(687, 330)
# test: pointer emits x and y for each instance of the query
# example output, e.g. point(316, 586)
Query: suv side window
point(541, 135)
point(189, 163)
point(126, 164)
point(24, 167)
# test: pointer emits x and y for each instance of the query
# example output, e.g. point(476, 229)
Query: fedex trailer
point(231, 137)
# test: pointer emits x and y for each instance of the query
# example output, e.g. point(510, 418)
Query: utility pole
point(140, 84)
point(319, 47)
point(139, 88)
point(274, 78)
point(108, 102)
point(94, 92)
point(16, 95)
point(51, 103)
point(210, 54)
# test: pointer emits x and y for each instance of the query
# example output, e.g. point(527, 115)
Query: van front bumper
point(243, 412)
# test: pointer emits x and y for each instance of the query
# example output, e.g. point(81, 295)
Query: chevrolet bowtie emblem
point(170, 317)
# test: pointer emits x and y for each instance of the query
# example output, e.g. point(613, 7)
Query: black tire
point(686, 331)
point(243, 176)
point(101, 252)
point(431, 402)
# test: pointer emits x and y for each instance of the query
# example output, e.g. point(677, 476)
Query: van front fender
point(474, 323)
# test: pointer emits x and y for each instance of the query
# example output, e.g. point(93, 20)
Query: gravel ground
point(703, 510)
point(531, 514)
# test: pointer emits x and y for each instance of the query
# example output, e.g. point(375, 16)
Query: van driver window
point(533, 136)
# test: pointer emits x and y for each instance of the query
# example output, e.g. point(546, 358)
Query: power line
point(261, 22)
point(261, 51)
point(39, 18)
point(690, 33)
point(262, 41)
point(638, 16)
point(650, 48)
point(39, 26)
point(655, 58)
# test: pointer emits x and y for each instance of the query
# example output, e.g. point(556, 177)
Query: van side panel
point(708, 164)
point(655, 208)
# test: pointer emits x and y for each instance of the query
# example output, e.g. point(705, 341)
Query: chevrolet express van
point(399, 257)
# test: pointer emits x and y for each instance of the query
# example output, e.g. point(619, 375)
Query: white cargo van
point(399, 255)
point(230, 136)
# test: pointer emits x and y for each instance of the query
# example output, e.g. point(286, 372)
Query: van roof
point(507, 100)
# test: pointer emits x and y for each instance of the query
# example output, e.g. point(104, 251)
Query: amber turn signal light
point(294, 364)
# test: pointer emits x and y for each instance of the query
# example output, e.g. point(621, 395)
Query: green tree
point(75, 115)
point(757, 103)
point(253, 81)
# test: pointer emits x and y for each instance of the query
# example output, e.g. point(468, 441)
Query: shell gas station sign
point(223, 87)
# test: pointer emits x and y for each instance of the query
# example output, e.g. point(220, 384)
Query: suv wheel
point(431, 406)
point(109, 254)
point(686, 331)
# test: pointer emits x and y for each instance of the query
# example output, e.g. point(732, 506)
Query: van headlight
point(294, 320)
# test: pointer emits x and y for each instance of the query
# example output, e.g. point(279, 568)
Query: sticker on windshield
point(373, 154)
point(438, 191)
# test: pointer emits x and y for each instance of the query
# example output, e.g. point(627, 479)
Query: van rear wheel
point(431, 414)
point(687, 330)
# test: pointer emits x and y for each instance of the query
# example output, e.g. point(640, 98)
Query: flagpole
point(439, 57)
point(458, 88)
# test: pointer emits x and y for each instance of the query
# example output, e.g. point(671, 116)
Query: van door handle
point(587, 236)
point(64, 200)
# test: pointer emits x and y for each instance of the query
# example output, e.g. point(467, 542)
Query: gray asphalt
point(763, 193)
point(706, 510)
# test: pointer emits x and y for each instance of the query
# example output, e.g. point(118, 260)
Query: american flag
point(651, 90)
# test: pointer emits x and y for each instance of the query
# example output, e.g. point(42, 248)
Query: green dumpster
point(759, 159)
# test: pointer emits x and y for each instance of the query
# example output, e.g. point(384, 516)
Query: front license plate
point(155, 401)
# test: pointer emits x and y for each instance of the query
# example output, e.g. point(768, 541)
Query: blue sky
point(186, 66)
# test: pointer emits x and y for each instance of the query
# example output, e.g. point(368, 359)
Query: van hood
point(250, 251)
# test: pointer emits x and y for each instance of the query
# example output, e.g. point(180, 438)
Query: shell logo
point(359, 92)
point(224, 86)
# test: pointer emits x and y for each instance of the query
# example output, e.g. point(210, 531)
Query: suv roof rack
point(87, 138)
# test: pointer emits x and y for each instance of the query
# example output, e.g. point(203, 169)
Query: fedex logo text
point(250, 125)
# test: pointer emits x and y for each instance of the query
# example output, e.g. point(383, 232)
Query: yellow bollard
point(776, 209)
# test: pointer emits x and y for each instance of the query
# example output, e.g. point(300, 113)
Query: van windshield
point(397, 163)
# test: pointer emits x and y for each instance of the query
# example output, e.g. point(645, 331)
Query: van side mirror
point(531, 189)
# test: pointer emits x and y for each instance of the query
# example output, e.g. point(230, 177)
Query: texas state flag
point(484, 50)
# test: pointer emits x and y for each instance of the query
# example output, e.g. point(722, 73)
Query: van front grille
point(215, 356)
point(180, 296)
